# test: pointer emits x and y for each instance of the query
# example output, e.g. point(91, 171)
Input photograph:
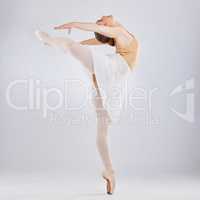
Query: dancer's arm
point(108, 31)
point(92, 41)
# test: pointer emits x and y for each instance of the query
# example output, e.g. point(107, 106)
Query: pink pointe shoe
point(110, 180)
point(42, 36)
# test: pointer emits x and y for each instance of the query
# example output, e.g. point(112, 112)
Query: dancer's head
point(106, 21)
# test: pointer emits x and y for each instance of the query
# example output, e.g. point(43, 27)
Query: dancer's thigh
point(101, 112)
point(83, 54)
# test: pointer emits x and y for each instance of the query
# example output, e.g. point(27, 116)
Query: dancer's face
point(106, 21)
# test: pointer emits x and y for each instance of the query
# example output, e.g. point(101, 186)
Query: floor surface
point(58, 186)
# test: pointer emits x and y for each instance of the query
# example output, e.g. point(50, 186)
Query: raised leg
point(79, 51)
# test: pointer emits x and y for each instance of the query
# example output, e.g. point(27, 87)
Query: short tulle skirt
point(111, 71)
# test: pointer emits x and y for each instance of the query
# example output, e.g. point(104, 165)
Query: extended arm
point(108, 31)
point(92, 41)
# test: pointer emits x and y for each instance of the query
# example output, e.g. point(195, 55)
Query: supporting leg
point(103, 122)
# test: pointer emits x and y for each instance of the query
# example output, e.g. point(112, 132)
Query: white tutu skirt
point(111, 71)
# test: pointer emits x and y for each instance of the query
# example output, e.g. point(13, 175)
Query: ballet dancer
point(106, 71)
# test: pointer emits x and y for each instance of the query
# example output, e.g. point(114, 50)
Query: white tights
point(83, 54)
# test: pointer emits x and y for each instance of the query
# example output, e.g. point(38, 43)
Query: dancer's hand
point(65, 26)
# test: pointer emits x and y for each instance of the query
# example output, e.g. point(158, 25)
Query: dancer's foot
point(42, 36)
point(110, 180)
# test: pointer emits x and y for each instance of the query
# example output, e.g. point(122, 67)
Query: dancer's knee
point(101, 138)
point(103, 118)
point(102, 130)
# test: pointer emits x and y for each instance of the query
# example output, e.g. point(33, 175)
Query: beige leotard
point(129, 53)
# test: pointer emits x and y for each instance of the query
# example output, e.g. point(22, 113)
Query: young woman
point(106, 70)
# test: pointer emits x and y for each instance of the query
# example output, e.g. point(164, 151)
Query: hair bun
point(104, 39)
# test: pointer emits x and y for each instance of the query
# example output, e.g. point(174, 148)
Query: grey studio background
point(158, 134)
